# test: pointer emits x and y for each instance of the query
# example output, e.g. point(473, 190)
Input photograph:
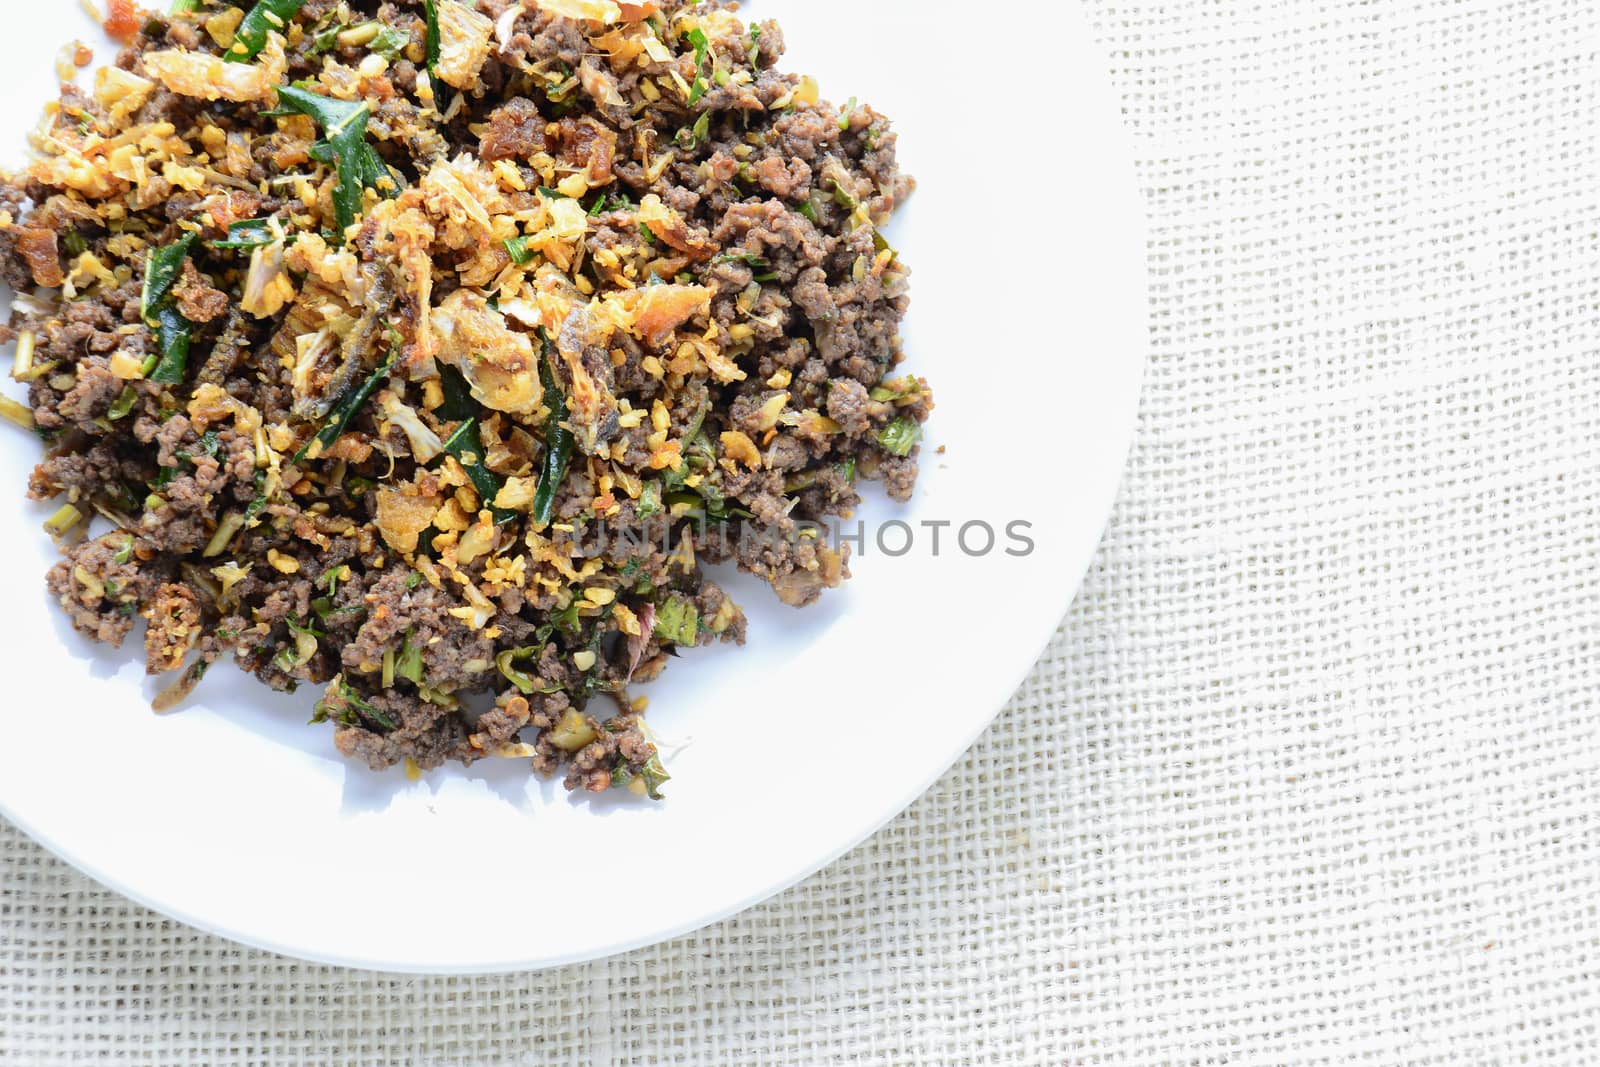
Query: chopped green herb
point(844, 116)
point(848, 469)
point(678, 621)
point(507, 661)
point(344, 145)
point(268, 16)
point(698, 134)
point(161, 270)
point(390, 42)
point(433, 696)
point(430, 12)
point(466, 444)
point(298, 627)
point(799, 483)
point(210, 443)
point(611, 202)
point(686, 503)
point(517, 247)
point(647, 233)
point(900, 436)
point(652, 773)
point(558, 445)
point(458, 403)
point(173, 336)
point(592, 681)
point(706, 504)
point(344, 707)
point(649, 500)
point(125, 553)
point(123, 403)
point(896, 389)
point(702, 46)
point(258, 503)
point(344, 411)
point(305, 646)
point(755, 263)
point(331, 578)
point(408, 664)
point(249, 234)
point(567, 620)
point(326, 39)
point(413, 580)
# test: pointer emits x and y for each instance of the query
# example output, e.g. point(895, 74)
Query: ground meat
point(425, 733)
point(500, 724)
point(782, 178)
point(899, 476)
point(849, 405)
point(539, 37)
point(98, 471)
point(452, 655)
point(195, 297)
point(786, 453)
point(91, 394)
point(102, 585)
point(515, 130)
point(620, 743)
point(593, 326)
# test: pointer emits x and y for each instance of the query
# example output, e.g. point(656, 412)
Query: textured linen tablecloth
point(1311, 774)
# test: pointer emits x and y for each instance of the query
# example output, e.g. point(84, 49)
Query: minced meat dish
point(360, 322)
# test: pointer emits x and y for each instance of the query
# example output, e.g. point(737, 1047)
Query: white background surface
point(1311, 773)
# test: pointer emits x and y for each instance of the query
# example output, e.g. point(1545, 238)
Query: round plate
point(233, 815)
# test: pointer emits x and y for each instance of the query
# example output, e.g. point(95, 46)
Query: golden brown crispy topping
point(210, 77)
point(498, 362)
point(403, 513)
point(463, 43)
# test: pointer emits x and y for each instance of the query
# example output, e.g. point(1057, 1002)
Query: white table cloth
point(1311, 774)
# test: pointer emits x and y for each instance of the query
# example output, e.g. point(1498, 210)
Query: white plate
point(1028, 316)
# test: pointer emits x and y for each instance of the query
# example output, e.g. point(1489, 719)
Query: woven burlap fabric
point(1311, 774)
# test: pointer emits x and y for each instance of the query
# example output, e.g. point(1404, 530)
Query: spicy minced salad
point(357, 320)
